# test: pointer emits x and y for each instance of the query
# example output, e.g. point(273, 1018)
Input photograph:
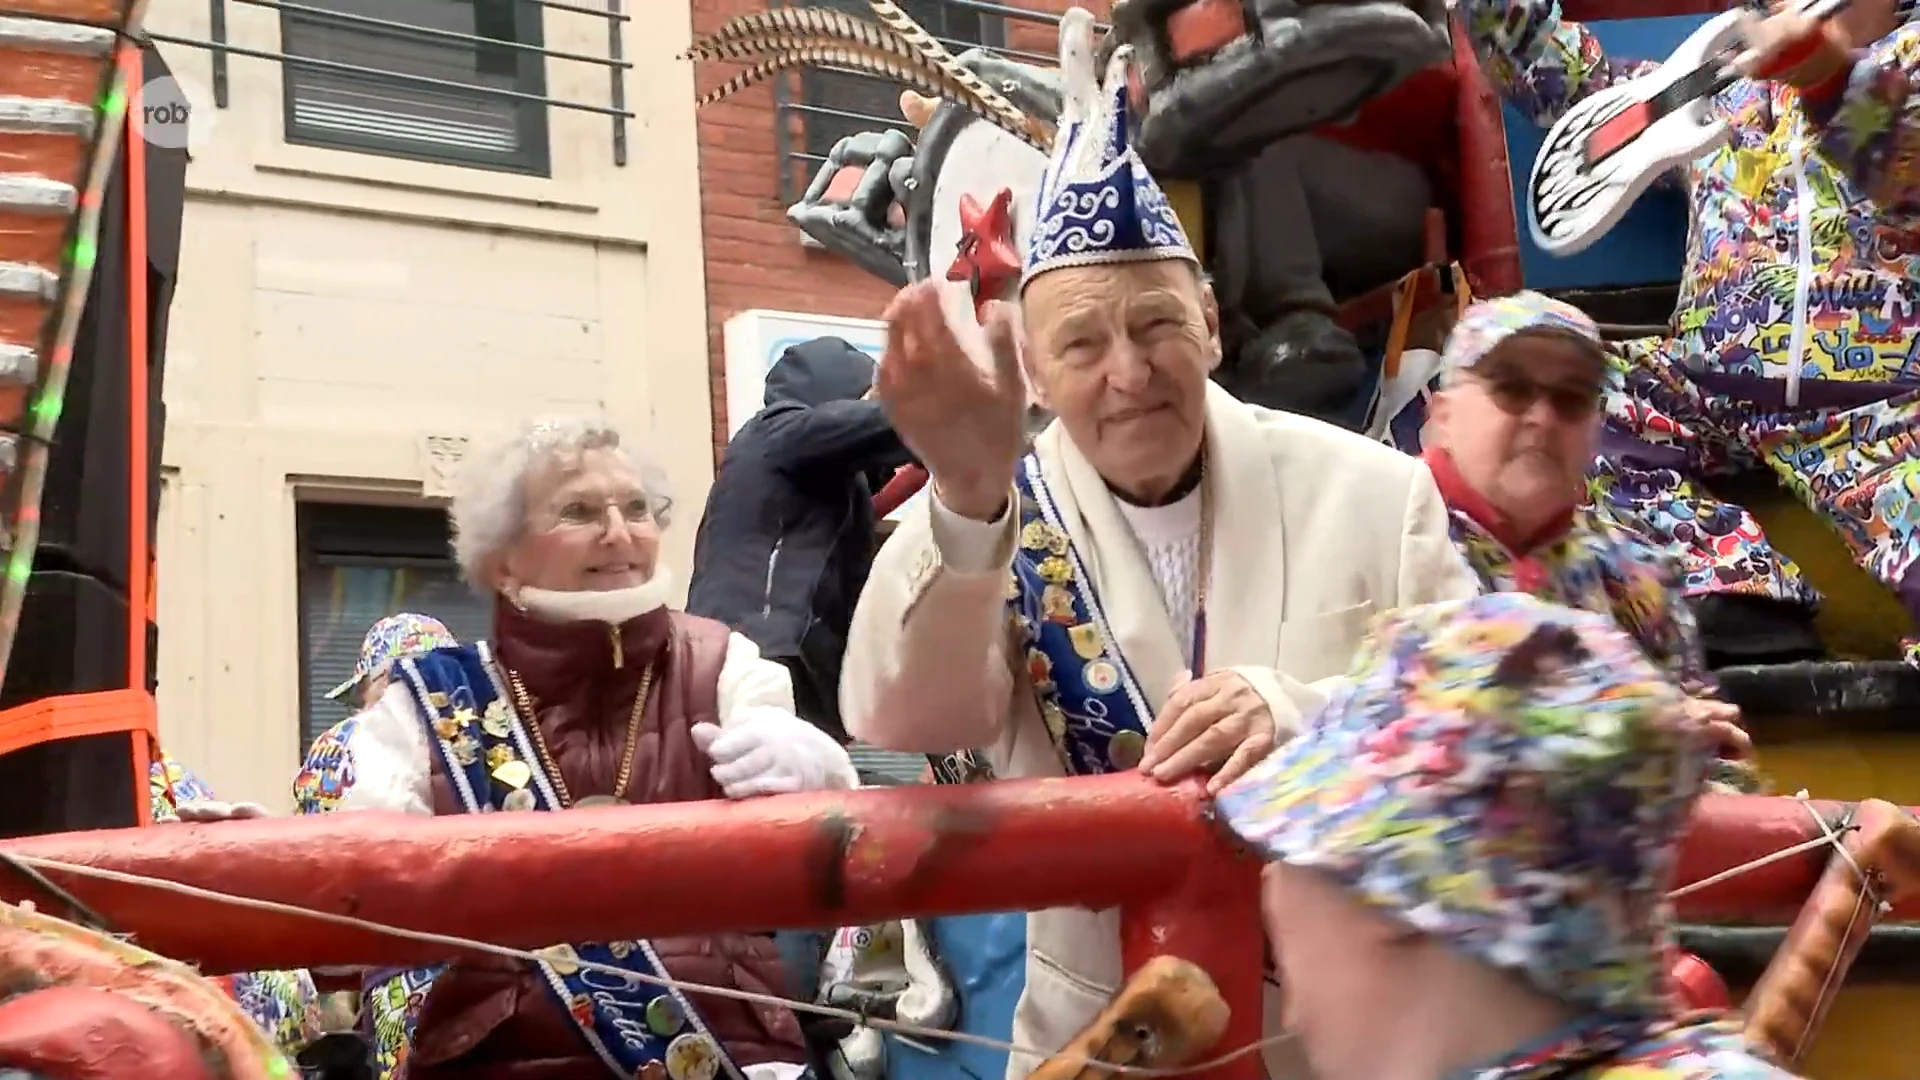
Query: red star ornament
point(986, 259)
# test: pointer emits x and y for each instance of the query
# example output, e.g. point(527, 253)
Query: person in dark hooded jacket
point(788, 535)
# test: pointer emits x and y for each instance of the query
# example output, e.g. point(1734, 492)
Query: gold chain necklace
point(529, 715)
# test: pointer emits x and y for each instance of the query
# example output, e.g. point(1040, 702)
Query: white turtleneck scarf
point(1169, 537)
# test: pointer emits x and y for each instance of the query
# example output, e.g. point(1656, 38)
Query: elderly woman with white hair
point(591, 692)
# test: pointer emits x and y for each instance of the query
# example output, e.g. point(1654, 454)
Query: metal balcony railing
point(614, 60)
point(817, 107)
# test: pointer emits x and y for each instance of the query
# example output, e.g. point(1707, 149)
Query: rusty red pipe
point(531, 880)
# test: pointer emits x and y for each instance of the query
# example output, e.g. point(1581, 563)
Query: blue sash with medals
point(1093, 706)
point(638, 1028)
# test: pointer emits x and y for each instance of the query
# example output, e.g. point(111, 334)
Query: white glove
point(770, 751)
point(204, 810)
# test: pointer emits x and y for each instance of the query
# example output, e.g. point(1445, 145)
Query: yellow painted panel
point(1846, 766)
point(1859, 618)
point(1867, 1036)
point(1184, 195)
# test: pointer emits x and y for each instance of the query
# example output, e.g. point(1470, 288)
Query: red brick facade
point(754, 257)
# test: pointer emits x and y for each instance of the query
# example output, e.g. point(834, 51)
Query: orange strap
point(1404, 296)
point(74, 715)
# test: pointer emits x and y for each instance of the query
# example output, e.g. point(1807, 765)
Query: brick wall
point(754, 257)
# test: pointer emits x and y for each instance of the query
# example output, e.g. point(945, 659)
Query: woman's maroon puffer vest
point(494, 1020)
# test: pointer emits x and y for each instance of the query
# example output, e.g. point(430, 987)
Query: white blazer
point(1317, 530)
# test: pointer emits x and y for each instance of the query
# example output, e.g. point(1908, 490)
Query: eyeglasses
point(587, 513)
point(1515, 396)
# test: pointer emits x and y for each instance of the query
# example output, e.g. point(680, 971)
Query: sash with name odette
point(639, 1028)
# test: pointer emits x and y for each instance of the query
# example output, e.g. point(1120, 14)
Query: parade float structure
point(367, 889)
point(1222, 91)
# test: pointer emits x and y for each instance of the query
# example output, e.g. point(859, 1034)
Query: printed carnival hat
point(1097, 203)
point(1506, 775)
point(392, 638)
point(1486, 324)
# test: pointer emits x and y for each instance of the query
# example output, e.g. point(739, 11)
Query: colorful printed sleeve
point(169, 784)
point(284, 1003)
point(1869, 122)
point(327, 773)
point(1540, 62)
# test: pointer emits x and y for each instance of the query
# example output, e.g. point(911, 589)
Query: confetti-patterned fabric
point(284, 1003)
point(1487, 323)
point(1703, 1047)
point(1832, 182)
point(1507, 775)
point(1597, 566)
point(395, 636)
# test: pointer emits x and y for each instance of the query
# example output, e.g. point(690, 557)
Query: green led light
point(20, 567)
point(47, 407)
point(116, 102)
point(85, 251)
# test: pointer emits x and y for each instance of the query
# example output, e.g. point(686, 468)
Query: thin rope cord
point(1747, 867)
point(550, 956)
point(895, 1027)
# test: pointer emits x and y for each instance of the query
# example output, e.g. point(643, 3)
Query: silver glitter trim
point(46, 116)
point(25, 279)
point(19, 364)
point(37, 195)
point(48, 36)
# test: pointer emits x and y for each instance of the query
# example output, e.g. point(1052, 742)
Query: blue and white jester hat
point(1097, 203)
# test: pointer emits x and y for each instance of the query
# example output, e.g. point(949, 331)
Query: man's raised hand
point(967, 426)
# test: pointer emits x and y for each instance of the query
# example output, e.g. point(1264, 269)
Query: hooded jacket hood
point(819, 371)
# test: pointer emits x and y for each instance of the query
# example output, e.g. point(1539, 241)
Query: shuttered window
point(358, 565)
point(378, 109)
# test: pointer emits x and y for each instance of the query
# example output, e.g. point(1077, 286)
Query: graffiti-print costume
point(1793, 343)
point(1705, 1047)
point(390, 998)
point(1588, 561)
point(1401, 791)
point(284, 1003)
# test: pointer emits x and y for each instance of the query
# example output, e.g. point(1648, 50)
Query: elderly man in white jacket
point(1161, 583)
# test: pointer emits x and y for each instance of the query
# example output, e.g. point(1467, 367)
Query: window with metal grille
point(358, 565)
point(430, 80)
point(835, 103)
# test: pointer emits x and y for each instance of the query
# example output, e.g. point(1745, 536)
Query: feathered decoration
point(746, 38)
point(936, 54)
point(782, 39)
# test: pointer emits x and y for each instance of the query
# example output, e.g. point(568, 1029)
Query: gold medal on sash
point(495, 721)
point(513, 773)
point(1086, 641)
point(1056, 604)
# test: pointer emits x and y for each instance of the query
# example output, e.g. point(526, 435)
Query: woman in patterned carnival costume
point(1794, 341)
point(390, 999)
point(1475, 838)
point(284, 1003)
point(1513, 426)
